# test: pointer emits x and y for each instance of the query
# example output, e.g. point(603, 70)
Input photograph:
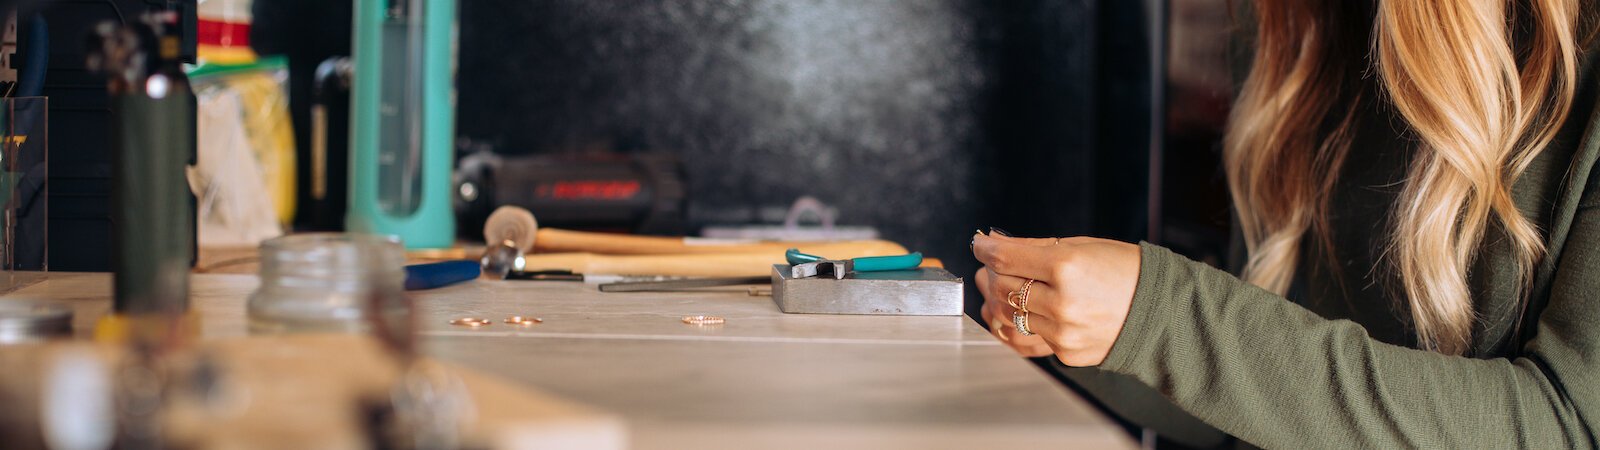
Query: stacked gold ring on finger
point(1020, 316)
point(1022, 295)
point(1011, 299)
point(1019, 319)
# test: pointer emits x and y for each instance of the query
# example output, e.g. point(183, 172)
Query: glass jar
point(317, 282)
point(30, 322)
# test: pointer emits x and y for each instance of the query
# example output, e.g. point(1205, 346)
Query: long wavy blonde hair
point(1482, 85)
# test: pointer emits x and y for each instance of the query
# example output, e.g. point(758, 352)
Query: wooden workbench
point(764, 379)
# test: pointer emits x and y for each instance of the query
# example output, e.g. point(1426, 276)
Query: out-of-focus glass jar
point(316, 282)
point(30, 322)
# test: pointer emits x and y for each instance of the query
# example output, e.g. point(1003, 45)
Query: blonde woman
point(1417, 195)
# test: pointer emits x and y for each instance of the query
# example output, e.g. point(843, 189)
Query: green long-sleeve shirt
point(1332, 364)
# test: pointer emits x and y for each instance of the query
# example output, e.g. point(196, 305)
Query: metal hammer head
point(510, 233)
point(811, 269)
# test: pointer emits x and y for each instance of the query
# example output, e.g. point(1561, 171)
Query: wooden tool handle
point(550, 240)
point(701, 265)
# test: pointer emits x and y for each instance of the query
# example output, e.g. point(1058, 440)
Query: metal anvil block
point(919, 292)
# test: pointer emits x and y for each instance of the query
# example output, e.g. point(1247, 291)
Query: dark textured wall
point(926, 119)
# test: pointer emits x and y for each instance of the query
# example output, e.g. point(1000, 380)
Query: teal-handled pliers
point(805, 266)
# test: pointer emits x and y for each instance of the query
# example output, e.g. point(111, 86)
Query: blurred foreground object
point(286, 391)
point(33, 322)
point(403, 121)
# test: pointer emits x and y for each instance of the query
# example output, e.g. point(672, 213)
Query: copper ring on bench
point(703, 320)
point(523, 320)
point(473, 322)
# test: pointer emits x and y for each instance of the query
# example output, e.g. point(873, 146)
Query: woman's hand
point(1078, 302)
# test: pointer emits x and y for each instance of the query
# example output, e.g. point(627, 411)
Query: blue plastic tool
point(864, 264)
point(440, 274)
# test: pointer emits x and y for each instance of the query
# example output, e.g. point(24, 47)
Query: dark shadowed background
point(925, 119)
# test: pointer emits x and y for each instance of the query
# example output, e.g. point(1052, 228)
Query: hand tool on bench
point(513, 234)
point(681, 285)
point(440, 274)
point(709, 265)
point(890, 285)
point(568, 275)
point(806, 266)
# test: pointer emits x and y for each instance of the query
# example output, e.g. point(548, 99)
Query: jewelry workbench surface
point(761, 379)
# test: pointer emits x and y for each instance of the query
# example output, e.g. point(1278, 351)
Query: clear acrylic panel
point(24, 165)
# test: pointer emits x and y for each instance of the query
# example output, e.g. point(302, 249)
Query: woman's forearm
point(1277, 375)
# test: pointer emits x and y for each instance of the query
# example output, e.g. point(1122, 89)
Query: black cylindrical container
point(151, 212)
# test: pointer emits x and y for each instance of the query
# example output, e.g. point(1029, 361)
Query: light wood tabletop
point(763, 379)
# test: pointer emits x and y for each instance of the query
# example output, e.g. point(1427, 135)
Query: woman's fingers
point(997, 316)
point(1078, 321)
point(983, 279)
point(996, 291)
point(1064, 344)
point(1000, 324)
point(1011, 258)
point(1001, 287)
point(1042, 297)
point(1043, 326)
point(1036, 242)
point(992, 317)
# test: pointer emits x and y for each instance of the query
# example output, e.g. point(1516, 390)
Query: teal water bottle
point(402, 121)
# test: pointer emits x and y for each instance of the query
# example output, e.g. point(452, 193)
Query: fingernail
point(994, 327)
point(997, 230)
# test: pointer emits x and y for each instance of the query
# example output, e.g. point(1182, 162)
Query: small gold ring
point(703, 320)
point(471, 322)
point(1011, 299)
point(524, 321)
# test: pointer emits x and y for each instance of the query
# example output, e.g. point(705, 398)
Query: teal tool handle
point(867, 264)
point(886, 263)
point(795, 257)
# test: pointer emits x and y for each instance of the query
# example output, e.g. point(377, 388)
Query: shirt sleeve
point(1276, 375)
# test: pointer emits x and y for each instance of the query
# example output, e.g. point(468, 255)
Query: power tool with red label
point(642, 193)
